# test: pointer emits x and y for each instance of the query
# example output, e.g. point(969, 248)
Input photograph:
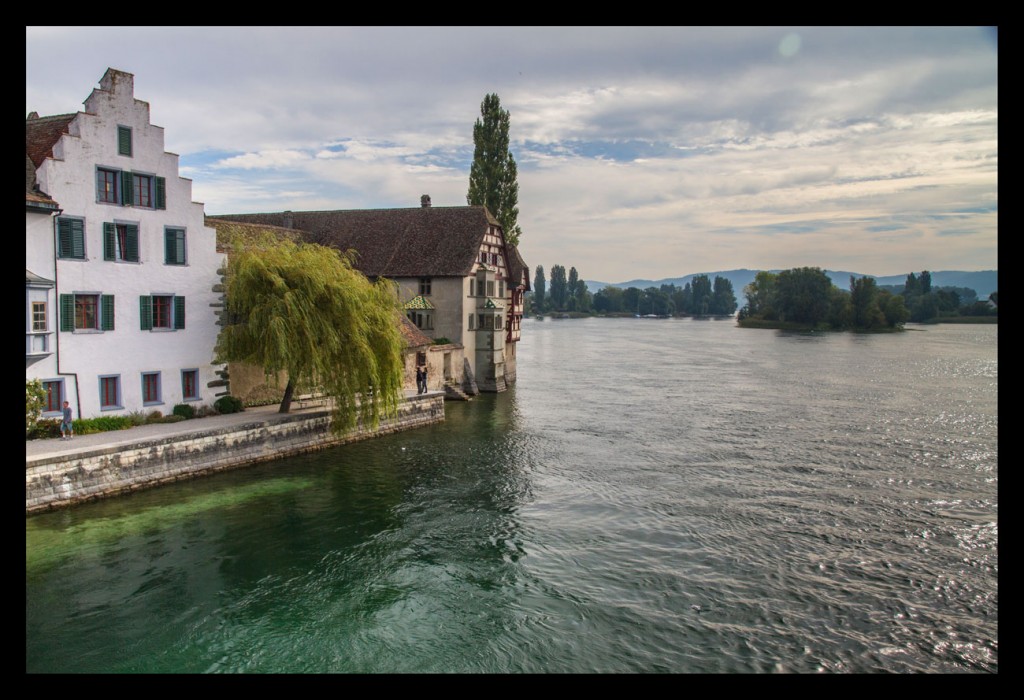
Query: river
point(653, 496)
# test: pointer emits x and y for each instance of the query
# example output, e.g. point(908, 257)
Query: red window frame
point(106, 186)
point(54, 396)
point(189, 384)
point(109, 392)
point(163, 307)
point(151, 387)
point(87, 311)
point(142, 190)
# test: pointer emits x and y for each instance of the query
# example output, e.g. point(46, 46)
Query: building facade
point(40, 291)
point(132, 313)
point(457, 277)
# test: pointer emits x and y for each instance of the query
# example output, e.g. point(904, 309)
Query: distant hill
point(983, 283)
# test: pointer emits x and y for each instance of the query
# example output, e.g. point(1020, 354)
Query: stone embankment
point(62, 473)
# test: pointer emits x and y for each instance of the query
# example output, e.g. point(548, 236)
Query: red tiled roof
point(34, 197)
point(516, 267)
point(41, 133)
point(411, 335)
point(413, 242)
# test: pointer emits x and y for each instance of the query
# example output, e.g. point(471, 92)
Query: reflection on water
point(653, 496)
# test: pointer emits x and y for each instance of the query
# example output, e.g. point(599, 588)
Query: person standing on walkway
point(67, 430)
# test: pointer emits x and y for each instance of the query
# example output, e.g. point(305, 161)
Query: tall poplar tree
point(570, 300)
point(558, 291)
point(303, 308)
point(538, 288)
point(493, 177)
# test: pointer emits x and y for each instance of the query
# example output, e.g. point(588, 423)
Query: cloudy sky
point(643, 152)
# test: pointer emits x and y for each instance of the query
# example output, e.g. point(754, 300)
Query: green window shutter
point(133, 243)
point(179, 313)
point(64, 238)
point(67, 312)
point(127, 188)
point(146, 313)
point(77, 238)
point(174, 246)
point(107, 312)
point(124, 141)
point(108, 240)
point(70, 238)
point(160, 188)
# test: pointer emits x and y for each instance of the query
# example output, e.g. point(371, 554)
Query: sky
point(642, 152)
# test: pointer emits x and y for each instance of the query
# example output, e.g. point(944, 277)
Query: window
point(497, 323)
point(483, 257)
point(150, 387)
point(501, 289)
point(490, 288)
point(130, 189)
point(423, 321)
point(121, 242)
point(124, 141)
point(190, 384)
point(90, 311)
point(161, 311)
point(425, 286)
point(472, 317)
point(480, 288)
point(107, 189)
point(174, 246)
point(110, 392)
point(142, 190)
point(87, 311)
point(71, 238)
point(39, 316)
point(54, 395)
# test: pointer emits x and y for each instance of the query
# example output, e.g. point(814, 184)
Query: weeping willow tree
point(302, 308)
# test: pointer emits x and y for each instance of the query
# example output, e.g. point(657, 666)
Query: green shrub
point(35, 396)
point(102, 424)
point(137, 418)
point(228, 404)
point(154, 417)
point(441, 341)
point(184, 410)
point(44, 428)
point(173, 418)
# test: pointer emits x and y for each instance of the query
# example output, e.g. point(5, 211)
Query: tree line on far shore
point(564, 292)
point(806, 297)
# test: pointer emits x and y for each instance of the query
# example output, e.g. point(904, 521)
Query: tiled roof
point(418, 302)
point(42, 132)
point(413, 242)
point(516, 267)
point(34, 198)
point(411, 335)
point(226, 230)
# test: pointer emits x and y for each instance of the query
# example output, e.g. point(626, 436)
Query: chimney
point(425, 201)
point(33, 115)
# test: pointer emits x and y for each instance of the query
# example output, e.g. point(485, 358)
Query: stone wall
point(109, 471)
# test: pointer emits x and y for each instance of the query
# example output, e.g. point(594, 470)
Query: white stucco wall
point(127, 351)
point(39, 260)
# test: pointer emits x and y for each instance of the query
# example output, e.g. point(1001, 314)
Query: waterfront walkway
point(159, 432)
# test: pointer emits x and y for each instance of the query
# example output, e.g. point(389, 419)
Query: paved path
point(55, 447)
